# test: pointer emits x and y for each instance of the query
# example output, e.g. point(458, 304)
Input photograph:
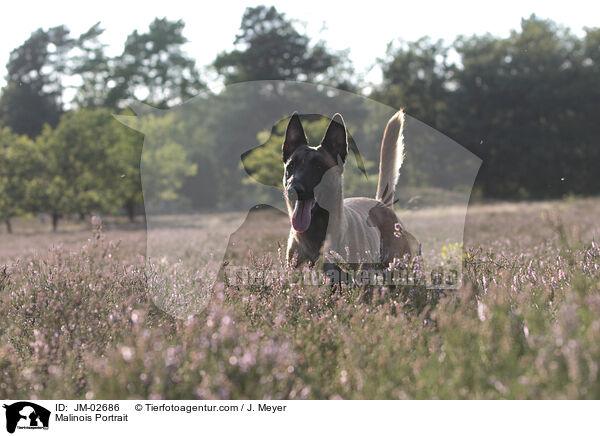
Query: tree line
point(526, 104)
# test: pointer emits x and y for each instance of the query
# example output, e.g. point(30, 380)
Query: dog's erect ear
point(335, 140)
point(294, 137)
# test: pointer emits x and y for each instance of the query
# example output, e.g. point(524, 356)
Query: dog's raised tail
point(390, 161)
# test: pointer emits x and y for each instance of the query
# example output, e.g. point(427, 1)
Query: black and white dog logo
point(26, 415)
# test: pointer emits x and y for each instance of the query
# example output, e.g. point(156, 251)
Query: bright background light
point(363, 27)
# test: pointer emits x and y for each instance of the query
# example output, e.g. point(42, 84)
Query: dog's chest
point(353, 238)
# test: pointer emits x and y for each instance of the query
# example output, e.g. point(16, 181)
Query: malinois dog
point(356, 231)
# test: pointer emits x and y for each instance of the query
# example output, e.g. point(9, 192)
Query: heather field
point(78, 317)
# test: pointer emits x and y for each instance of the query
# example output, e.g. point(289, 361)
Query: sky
point(363, 27)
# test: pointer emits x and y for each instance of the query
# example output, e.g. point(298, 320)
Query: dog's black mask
point(305, 165)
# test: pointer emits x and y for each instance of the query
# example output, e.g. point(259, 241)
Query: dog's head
point(305, 166)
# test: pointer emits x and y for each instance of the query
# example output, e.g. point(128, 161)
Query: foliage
point(525, 104)
point(522, 97)
point(264, 164)
point(521, 103)
point(416, 76)
point(86, 161)
point(16, 167)
point(164, 161)
point(37, 72)
point(524, 326)
point(269, 47)
point(93, 68)
point(26, 102)
point(153, 68)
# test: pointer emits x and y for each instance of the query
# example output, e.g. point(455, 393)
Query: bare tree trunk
point(8, 225)
point(130, 206)
point(55, 217)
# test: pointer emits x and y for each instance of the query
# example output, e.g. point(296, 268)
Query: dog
point(350, 231)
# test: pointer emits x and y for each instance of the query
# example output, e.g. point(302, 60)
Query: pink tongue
point(301, 215)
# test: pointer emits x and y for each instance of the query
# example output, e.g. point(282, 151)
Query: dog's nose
point(299, 188)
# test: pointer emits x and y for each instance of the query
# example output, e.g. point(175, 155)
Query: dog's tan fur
point(359, 230)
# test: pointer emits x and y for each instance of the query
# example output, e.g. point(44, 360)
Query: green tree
point(269, 47)
point(520, 105)
point(165, 162)
point(153, 68)
point(37, 72)
point(525, 104)
point(92, 67)
point(417, 77)
point(90, 164)
point(32, 94)
point(17, 164)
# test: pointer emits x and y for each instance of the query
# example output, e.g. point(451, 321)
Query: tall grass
point(526, 324)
